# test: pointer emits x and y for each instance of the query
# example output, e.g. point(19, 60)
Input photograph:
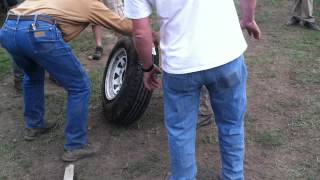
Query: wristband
point(147, 69)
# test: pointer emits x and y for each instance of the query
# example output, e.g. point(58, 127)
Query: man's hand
point(252, 28)
point(247, 19)
point(151, 80)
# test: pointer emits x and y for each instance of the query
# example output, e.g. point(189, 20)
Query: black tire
point(124, 101)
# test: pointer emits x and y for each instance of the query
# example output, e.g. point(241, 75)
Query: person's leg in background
point(228, 99)
point(117, 7)
point(181, 107)
point(205, 111)
point(98, 52)
point(17, 76)
point(295, 14)
point(302, 11)
point(308, 19)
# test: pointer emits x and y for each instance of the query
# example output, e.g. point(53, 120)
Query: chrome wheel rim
point(115, 74)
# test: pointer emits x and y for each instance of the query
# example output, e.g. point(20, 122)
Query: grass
point(5, 64)
point(55, 112)
point(96, 79)
point(309, 119)
point(270, 139)
point(297, 50)
point(82, 43)
point(306, 71)
point(7, 151)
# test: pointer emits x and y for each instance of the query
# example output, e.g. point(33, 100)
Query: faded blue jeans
point(40, 49)
point(227, 88)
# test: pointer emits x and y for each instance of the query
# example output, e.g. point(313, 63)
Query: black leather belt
point(43, 18)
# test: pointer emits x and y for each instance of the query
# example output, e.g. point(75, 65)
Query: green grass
point(55, 112)
point(306, 71)
point(83, 42)
point(304, 41)
point(5, 64)
point(96, 79)
point(8, 152)
point(3, 178)
point(270, 139)
point(308, 121)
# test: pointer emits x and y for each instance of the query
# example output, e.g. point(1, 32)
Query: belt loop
point(7, 17)
point(35, 18)
point(17, 22)
point(34, 24)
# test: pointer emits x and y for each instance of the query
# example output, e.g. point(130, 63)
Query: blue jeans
point(227, 88)
point(40, 49)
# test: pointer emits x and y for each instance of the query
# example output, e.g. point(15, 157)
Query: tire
point(124, 97)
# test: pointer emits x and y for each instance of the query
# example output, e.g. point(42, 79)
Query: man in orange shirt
point(35, 34)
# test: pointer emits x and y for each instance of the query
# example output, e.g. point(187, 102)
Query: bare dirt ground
point(282, 122)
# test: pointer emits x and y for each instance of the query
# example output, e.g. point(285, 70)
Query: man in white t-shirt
point(198, 48)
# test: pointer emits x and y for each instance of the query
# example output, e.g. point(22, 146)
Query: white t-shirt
point(195, 35)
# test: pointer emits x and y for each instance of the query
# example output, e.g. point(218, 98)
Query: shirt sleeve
point(137, 9)
point(102, 15)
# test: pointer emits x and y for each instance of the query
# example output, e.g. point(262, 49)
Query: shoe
point(31, 134)
point(97, 54)
point(312, 26)
point(76, 154)
point(293, 21)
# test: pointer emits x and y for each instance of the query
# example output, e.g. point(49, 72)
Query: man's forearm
point(247, 10)
point(143, 40)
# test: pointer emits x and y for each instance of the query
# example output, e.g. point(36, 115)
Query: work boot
point(31, 134)
point(311, 26)
point(76, 154)
point(293, 21)
point(97, 54)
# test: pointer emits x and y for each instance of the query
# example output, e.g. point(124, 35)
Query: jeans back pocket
point(43, 39)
